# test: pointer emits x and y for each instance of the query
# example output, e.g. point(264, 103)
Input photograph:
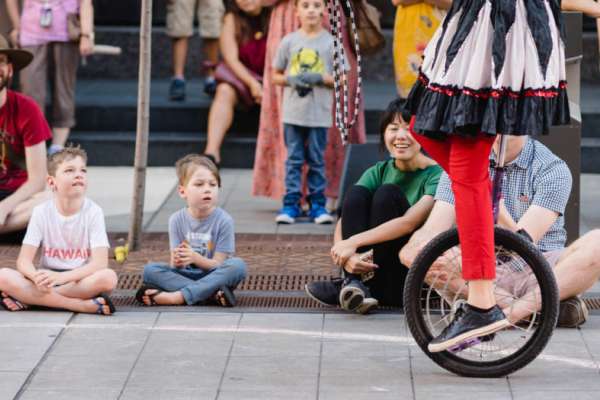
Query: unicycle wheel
point(525, 289)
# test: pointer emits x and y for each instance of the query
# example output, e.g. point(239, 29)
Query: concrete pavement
point(215, 355)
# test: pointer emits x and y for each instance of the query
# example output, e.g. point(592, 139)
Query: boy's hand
point(311, 78)
point(184, 254)
point(47, 279)
point(296, 82)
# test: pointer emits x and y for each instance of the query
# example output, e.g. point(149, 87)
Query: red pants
point(466, 160)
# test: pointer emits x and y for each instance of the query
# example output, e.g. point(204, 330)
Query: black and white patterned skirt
point(493, 66)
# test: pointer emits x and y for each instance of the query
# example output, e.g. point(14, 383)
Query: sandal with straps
point(139, 295)
point(107, 302)
point(20, 306)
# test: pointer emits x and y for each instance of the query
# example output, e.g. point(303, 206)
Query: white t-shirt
point(66, 242)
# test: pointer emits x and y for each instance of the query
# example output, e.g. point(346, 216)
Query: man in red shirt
point(23, 135)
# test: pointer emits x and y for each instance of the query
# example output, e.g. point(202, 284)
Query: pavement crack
point(138, 356)
point(35, 369)
point(320, 357)
point(228, 356)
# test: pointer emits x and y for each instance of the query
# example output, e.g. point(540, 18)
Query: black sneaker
point(352, 294)
point(572, 313)
point(325, 292)
point(468, 324)
point(177, 89)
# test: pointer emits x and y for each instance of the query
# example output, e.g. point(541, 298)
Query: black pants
point(15, 237)
point(363, 210)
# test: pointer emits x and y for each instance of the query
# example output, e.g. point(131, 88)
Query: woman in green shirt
point(380, 212)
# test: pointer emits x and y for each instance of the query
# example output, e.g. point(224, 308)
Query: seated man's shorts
point(180, 18)
point(513, 279)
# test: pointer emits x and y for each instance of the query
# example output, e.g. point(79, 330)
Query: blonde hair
point(187, 165)
point(66, 154)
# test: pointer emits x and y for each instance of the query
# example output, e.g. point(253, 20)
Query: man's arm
point(441, 218)
point(35, 158)
point(12, 8)
point(590, 8)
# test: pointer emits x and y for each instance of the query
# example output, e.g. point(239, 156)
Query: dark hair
point(245, 25)
point(394, 110)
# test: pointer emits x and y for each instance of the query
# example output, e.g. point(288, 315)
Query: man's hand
point(4, 212)
point(355, 265)
point(342, 251)
point(45, 279)
point(13, 37)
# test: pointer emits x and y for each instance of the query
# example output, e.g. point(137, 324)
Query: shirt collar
point(523, 161)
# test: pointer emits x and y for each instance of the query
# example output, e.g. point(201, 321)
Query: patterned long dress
point(269, 163)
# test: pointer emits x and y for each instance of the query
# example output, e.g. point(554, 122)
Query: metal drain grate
point(593, 303)
point(133, 280)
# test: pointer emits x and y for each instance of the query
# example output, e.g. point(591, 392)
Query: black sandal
point(224, 297)
point(142, 292)
point(20, 306)
point(107, 302)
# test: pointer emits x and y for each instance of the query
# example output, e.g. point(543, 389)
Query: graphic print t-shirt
point(66, 242)
point(299, 53)
point(206, 236)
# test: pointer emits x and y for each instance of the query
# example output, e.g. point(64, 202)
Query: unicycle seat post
point(498, 177)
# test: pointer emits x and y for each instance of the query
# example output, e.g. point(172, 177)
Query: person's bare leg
point(211, 53)
point(180, 50)
point(577, 270)
point(220, 118)
point(17, 286)
point(481, 294)
point(101, 281)
point(19, 218)
point(60, 136)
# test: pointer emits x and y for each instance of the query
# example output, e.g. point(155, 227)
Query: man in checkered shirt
point(536, 188)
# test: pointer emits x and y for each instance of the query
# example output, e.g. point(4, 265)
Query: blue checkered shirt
point(537, 177)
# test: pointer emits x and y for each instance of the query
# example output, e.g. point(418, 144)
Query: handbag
point(73, 27)
point(368, 26)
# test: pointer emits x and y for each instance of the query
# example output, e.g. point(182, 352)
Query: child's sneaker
point(177, 89)
point(319, 215)
point(288, 215)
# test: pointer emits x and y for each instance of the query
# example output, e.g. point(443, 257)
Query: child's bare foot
point(153, 297)
point(10, 304)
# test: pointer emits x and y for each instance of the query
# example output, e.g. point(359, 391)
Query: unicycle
point(525, 289)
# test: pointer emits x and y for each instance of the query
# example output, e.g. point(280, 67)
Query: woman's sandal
point(224, 297)
point(139, 295)
point(107, 302)
point(20, 306)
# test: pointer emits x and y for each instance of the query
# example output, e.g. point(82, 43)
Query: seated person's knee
point(107, 280)
point(239, 266)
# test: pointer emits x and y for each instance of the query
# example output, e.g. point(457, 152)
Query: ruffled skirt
point(493, 67)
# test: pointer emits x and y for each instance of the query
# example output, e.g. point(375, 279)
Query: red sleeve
point(32, 123)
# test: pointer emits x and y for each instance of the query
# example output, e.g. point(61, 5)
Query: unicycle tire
point(504, 365)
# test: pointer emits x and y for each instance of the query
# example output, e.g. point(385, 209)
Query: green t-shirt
point(414, 184)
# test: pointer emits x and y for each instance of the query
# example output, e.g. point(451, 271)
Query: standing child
point(303, 65)
point(73, 272)
point(202, 244)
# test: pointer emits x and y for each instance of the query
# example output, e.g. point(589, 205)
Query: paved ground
point(200, 353)
point(178, 355)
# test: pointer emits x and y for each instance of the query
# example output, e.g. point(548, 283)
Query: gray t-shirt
point(207, 236)
point(299, 53)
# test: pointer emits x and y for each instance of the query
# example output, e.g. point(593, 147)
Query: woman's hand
point(355, 265)
point(342, 251)
point(256, 90)
point(86, 46)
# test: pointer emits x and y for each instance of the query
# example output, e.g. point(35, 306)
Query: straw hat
point(17, 57)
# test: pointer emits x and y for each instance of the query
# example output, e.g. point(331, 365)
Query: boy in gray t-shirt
point(202, 243)
point(304, 65)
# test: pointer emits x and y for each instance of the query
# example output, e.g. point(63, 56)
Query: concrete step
point(111, 105)
point(590, 155)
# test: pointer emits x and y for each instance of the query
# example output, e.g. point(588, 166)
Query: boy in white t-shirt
point(70, 233)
